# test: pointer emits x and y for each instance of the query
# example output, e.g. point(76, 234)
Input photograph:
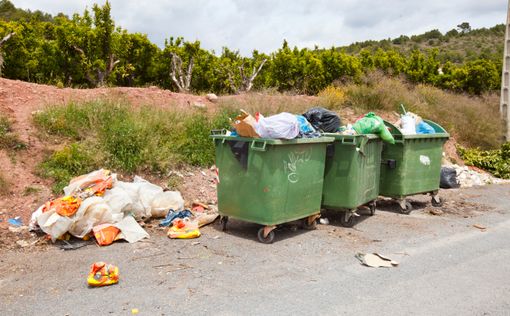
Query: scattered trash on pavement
point(375, 260)
point(184, 229)
point(324, 221)
point(102, 274)
point(15, 221)
point(480, 227)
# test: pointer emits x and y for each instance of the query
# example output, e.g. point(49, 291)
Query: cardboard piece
point(245, 124)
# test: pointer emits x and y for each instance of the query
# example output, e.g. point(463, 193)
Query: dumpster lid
point(440, 131)
point(340, 136)
point(271, 141)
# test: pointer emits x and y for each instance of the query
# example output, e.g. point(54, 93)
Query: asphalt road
point(447, 267)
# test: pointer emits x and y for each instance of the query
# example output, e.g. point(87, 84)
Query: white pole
point(505, 80)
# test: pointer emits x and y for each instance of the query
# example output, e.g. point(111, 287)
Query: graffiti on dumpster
point(295, 158)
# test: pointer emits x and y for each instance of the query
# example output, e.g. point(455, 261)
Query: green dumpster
point(351, 177)
point(269, 181)
point(412, 165)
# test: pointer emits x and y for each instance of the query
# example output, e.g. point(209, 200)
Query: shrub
point(496, 161)
point(332, 97)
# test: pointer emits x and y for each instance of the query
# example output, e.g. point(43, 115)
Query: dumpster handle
point(257, 148)
point(219, 132)
point(348, 140)
point(398, 138)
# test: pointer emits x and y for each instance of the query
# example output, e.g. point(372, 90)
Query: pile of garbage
point(99, 205)
point(455, 176)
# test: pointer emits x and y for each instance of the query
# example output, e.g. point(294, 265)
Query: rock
point(199, 105)
point(436, 212)
point(23, 243)
point(211, 97)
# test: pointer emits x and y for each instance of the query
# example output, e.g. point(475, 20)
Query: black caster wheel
point(372, 207)
point(223, 223)
point(436, 201)
point(265, 240)
point(347, 219)
point(406, 208)
point(308, 225)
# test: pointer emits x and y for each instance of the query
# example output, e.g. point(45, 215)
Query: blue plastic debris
point(15, 221)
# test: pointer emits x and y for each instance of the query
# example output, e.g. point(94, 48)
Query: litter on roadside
point(15, 221)
point(376, 260)
point(480, 227)
point(102, 274)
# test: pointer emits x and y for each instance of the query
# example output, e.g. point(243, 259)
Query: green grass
point(473, 121)
point(8, 139)
point(127, 139)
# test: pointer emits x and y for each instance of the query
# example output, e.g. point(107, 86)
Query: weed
point(173, 182)
point(332, 97)
point(4, 185)
point(29, 190)
point(8, 139)
point(73, 160)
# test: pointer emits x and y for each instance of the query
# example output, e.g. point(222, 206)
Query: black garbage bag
point(449, 178)
point(323, 120)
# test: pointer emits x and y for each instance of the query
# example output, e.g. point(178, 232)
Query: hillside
point(456, 45)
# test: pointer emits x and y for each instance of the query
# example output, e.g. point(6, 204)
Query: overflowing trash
point(323, 120)
point(103, 274)
point(373, 124)
point(99, 205)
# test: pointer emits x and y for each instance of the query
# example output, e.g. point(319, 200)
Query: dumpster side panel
point(279, 184)
point(352, 175)
point(418, 167)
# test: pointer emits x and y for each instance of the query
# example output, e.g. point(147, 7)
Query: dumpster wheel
point(372, 207)
point(223, 223)
point(405, 207)
point(436, 201)
point(269, 238)
point(347, 219)
point(310, 222)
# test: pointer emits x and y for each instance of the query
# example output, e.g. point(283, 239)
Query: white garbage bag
point(164, 201)
point(93, 211)
point(53, 224)
point(283, 125)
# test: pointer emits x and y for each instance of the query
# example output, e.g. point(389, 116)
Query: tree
point(464, 28)
point(5, 39)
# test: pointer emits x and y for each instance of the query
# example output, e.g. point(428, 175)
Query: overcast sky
point(263, 24)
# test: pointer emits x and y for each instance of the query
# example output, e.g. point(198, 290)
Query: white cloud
point(263, 24)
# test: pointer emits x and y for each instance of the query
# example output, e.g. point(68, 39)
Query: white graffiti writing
point(294, 160)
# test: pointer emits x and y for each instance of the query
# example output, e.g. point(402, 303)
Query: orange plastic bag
point(105, 234)
point(64, 206)
point(102, 273)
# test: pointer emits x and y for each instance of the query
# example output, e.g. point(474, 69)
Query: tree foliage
point(89, 50)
